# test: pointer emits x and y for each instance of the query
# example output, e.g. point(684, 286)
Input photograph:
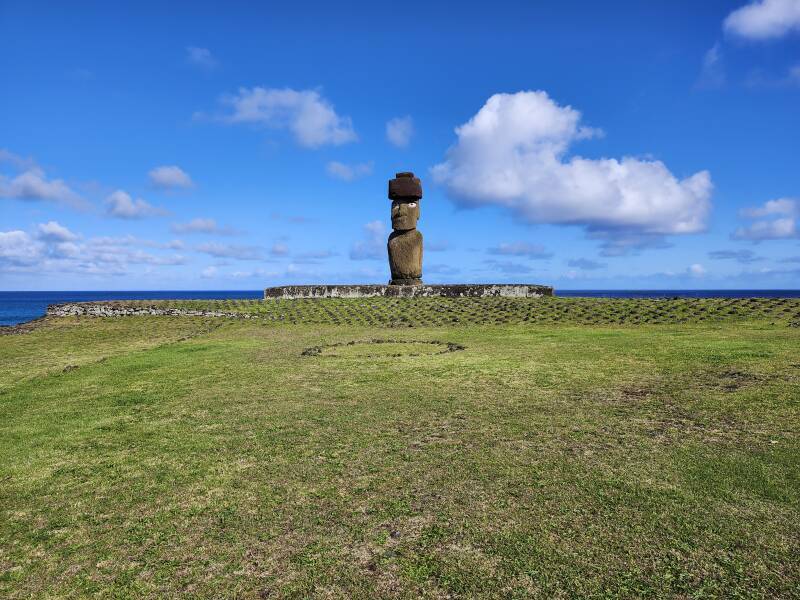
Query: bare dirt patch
point(383, 348)
point(731, 380)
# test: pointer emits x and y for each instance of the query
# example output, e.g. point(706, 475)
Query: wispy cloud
point(740, 256)
point(200, 225)
point(782, 206)
point(697, 270)
point(622, 243)
point(437, 246)
point(533, 251)
point(399, 131)
point(776, 229)
point(346, 172)
point(237, 252)
point(712, 73)
point(17, 161)
point(508, 267)
point(314, 256)
point(201, 57)
point(293, 219)
point(777, 219)
point(373, 246)
point(279, 249)
point(585, 264)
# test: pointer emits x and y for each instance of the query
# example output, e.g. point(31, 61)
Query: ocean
point(18, 307)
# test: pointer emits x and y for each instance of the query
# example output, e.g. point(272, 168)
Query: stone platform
point(294, 292)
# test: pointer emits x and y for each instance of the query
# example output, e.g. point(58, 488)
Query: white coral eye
point(412, 204)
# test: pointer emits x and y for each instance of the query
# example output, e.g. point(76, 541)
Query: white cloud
point(55, 249)
point(373, 246)
point(53, 231)
point(208, 273)
point(399, 131)
point(32, 184)
point(310, 118)
point(17, 248)
point(513, 153)
point(121, 205)
point(201, 57)
point(119, 253)
point(348, 172)
point(764, 19)
point(535, 251)
point(201, 225)
point(230, 251)
point(783, 225)
point(169, 177)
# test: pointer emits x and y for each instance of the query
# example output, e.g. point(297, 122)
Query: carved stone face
point(405, 214)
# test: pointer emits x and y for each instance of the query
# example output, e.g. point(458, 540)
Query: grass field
point(356, 449)
point(404, 312)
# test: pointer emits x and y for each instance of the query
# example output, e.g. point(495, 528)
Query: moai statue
point(405, 242)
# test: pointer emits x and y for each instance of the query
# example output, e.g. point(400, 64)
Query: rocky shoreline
point(25, 327)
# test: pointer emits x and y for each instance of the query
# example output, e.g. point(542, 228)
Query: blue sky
point(232, 146)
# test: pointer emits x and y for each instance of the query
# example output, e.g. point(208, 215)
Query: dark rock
point(405, 186)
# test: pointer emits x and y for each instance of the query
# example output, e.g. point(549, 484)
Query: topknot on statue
point(405, 186)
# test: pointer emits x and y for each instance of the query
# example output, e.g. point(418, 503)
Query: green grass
point(404, 312)
point(176, 456)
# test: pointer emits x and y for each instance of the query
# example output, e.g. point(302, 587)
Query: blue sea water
point(18, 307)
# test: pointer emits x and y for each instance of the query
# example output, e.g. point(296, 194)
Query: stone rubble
point(295, 292)
point(97, 309)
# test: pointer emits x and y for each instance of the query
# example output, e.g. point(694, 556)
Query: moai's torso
point(405, 256)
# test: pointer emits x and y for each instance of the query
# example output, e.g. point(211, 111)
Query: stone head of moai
point(405, 242)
